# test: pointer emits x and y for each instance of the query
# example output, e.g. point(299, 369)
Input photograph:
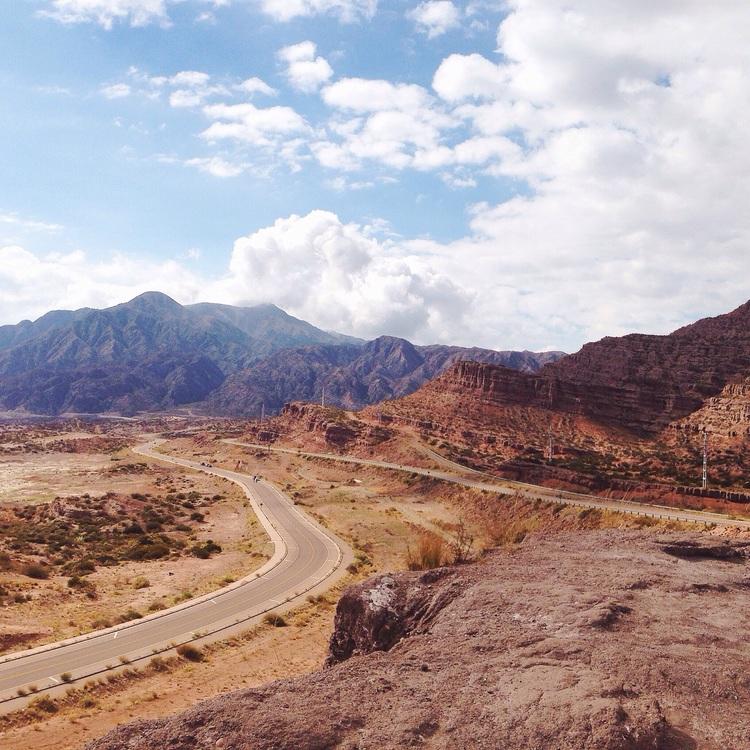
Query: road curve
point(533, 491)
point(306, 558)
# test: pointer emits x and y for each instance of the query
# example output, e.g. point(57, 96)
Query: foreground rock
point(603, 640)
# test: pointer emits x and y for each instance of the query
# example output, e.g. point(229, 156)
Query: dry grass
point(429, 552)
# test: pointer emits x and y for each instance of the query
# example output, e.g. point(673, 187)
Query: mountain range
point(152, 353)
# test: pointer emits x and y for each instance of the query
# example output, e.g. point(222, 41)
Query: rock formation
point(594, 641)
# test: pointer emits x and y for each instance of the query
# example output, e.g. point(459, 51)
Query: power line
point(705, 460)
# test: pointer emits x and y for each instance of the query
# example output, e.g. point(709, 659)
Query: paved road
point(533, 491)
point(305, 556)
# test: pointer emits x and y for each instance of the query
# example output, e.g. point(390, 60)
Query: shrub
point(141, 583)
point(189, 652)
point(44, 703)
point(85, 566)
point(147, 550)
point(271, 618)
point(204, 551)
point(129, 615)
point(34, 570)
point(158, 664)
point(66, 677)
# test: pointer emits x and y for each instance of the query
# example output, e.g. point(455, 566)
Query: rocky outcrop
point(637, 382)
point(377, 614)
point(725, 417)
point(321, 426)
point(594, 641)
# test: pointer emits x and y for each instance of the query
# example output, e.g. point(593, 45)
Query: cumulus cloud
point(436, 17)
point(246, 123)
point(256, 85)
point(379, 121)
point(620, 122)
point(305, 70)
point(324, 270)
point(347, 10)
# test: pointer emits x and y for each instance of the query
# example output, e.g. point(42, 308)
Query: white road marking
point(117, 632)
point(55, 680)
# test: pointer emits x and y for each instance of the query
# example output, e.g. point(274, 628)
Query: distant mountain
point(152, 354)
point(352, 376)
point(149, 353)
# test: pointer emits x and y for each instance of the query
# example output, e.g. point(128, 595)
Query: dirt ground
point(382, 514)
point(38, 611)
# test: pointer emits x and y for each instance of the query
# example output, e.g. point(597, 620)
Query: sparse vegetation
point(36, 571)
point(429, 553)
point(190, 652)
point(271, 618)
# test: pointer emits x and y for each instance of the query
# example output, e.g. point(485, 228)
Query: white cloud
point(365, 95)
point(253, 125)
point(107, 12)
point(31, 284)
point(392, 124)
point(304, 70)
point(256, 86)
point(116, 91)
point(461, 77)
point(436, 17)
point(190, 79)
point(17, 222)
point(335, 274)
point(347, 10)
point(217, 167)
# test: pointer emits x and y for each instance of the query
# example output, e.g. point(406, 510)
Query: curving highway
point(306, 557)
point(532, 491)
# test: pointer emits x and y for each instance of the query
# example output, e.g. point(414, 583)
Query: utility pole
point(323, 397)
point(262, 412)
point(550, 445)
point(705, 460)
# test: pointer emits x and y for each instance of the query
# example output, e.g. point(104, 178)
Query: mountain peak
point(153, 301)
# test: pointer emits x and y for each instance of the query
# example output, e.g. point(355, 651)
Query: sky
point(514, 174)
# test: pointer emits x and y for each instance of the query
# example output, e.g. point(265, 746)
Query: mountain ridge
point(129, 358)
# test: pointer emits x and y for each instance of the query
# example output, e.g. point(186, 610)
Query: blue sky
point(505, 173)
point(91, 164)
